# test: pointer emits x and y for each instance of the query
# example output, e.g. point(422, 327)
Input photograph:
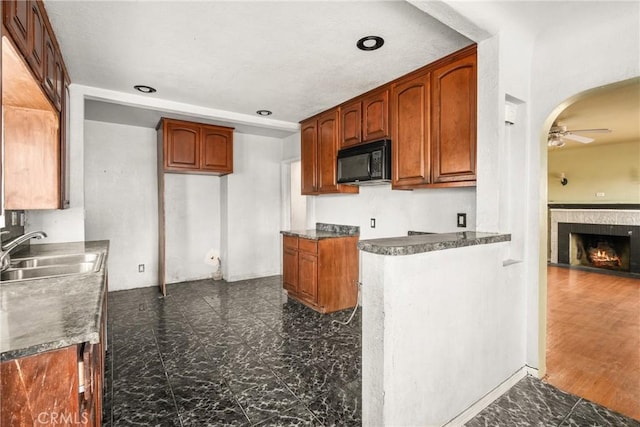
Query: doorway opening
point(298, 205)
point(593, 294)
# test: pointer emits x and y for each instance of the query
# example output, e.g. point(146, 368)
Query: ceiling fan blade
point(602, 130)
point(578, 138)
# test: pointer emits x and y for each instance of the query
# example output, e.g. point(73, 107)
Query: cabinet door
point(375, 116)
point(217, 149)
point(183, 146)
point(410, 132)
point(60, 81)
point(308, 276)
point(454, 121)
point(36, 40)
point(290, 269)
point(39, 387)
point(309, 156)
point(31, 159)
point(50, 81)
point(16, 20)
point(327, 149)
point(351, 124)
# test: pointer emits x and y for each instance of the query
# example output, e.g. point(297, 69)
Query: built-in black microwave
point(365, 164)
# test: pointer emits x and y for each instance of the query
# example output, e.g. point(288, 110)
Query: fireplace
point(600, 251)
point(608, 247)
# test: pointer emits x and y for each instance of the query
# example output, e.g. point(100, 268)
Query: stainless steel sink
point(54, 260)
point(52, 266)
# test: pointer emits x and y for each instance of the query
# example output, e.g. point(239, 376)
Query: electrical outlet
point(462, 220)
point(373, 223)
point(140, 268)
point(600, 194)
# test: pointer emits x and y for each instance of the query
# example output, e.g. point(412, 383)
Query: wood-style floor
point(593, 337)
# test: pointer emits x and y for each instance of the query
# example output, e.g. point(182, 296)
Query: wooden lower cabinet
point(59, 387)
point(290, 263)
point(322, 274)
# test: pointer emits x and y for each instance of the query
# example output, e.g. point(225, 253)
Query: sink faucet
point(5, 259)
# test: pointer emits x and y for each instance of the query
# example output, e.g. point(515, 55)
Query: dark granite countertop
point(419, 243)
point(324, 231)
point(46, 314)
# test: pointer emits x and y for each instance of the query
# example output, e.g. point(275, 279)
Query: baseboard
point(249, 276)
point(488, 398)
point(532, 371)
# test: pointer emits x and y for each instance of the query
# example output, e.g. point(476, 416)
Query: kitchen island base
point(440, 330)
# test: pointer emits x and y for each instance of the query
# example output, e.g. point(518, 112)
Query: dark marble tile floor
point(531, 402)
point(239, 354)
point(229, 354)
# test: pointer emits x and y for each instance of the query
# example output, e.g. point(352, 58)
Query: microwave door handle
point(369, 165)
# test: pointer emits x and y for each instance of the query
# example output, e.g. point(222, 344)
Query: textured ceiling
point(294, 58)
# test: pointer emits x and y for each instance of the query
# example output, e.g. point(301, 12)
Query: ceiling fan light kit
point(555, 141)
point(557, 135)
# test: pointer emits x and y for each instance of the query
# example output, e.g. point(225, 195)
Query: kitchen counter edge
point(317, 234)
point(420, 243)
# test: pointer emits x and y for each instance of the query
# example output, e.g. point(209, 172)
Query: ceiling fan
point(558, 134)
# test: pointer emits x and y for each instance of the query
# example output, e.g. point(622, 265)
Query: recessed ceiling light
point(144, 88)
point(370, 43)
point(264, 113)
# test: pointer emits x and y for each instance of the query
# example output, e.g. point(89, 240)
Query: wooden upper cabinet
point(50, 81)
point(29, 29)
point(327, 151)
point(309, 156)
point(217, 149)
point(190, 147)
point(410, 134)
point(16, 21)
point(53, 80)
point(454, 121)
point(365, 119)
point(318, 151)
point(351, 124)
point(430, 116)
point(36, 38)
point(375, 116)
point(182, 146)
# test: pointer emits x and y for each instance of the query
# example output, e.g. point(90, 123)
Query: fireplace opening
point(600, 251)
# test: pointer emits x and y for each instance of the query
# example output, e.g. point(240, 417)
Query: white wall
point(396, 211)
point(192, 225)
point(610, 169)
point(601, 50)
point(121, 200)
point(250, 217)
point(298, 212)
point(598, 47)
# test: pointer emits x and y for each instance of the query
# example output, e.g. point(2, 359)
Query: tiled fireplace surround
point(617, 217)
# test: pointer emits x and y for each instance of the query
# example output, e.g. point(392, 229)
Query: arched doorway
point(593, 317)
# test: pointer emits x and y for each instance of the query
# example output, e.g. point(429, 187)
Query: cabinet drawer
point(290, 242)
point(307, 245)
